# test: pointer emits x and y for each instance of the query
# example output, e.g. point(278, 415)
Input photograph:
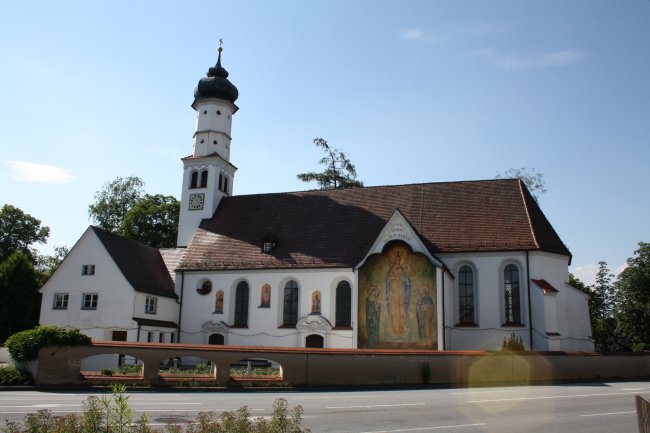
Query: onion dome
point(216, 84)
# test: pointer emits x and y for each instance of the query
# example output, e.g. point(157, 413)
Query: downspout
point(530, 307)
point(180, 309)
point(444, 323)
point(137, 338)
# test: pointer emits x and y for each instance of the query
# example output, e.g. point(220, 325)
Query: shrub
point(24, 346)
point(106, 371)
point(514, 344)
point(10, 375)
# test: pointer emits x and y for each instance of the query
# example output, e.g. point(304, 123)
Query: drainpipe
point(444, 326)
point(180, 309)
point(530, 307)
point(137, 337)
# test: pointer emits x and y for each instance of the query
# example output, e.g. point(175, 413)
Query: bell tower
point(207, 173)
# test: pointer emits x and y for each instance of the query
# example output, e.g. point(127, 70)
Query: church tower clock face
point(196, 201)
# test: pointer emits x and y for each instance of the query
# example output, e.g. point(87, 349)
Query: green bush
point(514, 344)
point(10, 375)
point(24, 346)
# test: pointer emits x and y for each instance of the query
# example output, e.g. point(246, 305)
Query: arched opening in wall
point(315, 341)
point(111, 366)
point(256, 369)
point(216, 339)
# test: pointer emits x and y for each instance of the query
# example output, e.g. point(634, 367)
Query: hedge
point(24, 346)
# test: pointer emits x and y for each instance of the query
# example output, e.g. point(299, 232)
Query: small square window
point(89, 301)
point(150, 305)
point(88, 270)
point(61, 301)
point(267, 248)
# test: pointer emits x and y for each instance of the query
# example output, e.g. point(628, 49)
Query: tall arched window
point(290, 311)
point(466, 296)
point(511, 295)
point(241, 304)
point(220, 182)
point(204, 178)
point(194, 180)
point(225, 184)
point(343, 305)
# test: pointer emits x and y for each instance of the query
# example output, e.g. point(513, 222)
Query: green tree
point(114, 201)
point(534, 180)
point(339, 171)
point(20, 306)
point(123, 208)
point(153, 220)
point(633, 290)
point(46, 265)
point(19, 231)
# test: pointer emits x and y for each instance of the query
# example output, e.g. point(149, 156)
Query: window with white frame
point(61, 301)
point(89, 301)
point(88, 270)
point(150, 305)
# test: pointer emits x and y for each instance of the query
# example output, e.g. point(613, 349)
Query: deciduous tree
point(534, 180)
point(633, 289)
point(153, 220)
point(113, 202)
point(339, 172)
point(19, 231)
point(20, 306)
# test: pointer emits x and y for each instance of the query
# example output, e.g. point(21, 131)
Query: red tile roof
point(336, 228)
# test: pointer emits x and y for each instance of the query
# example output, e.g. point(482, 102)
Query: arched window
point(220, 182)
point(225, 184)
point(195, 179)
point(314, 340)
point(216, 339)
point(204, 178)
point(241, 304)
point(466, 296)
point(290, 311)
point(343, 305)
point(511, 295)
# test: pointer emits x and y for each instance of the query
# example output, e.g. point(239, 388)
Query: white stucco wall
point(264, 324)
point(565, 312)
point(115, 295)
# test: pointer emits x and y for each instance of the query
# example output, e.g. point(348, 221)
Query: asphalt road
point(591, 407)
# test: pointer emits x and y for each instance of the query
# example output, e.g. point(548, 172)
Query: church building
point(442, 266)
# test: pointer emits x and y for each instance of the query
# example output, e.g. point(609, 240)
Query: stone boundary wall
point(360, 367)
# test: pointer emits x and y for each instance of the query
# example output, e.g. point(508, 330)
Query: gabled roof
point(336, 228)
point(142, 266)
point(172, 257)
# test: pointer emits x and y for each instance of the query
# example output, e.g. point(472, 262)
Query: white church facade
point(438, 266)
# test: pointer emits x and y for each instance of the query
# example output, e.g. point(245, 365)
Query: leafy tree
point(122, 207)
point(153, 220)
point(19, 283)
point(534, 180)
point(46, 265)
point(339, 172)
point(18, 231)
point(633, 308)
point(114, 201)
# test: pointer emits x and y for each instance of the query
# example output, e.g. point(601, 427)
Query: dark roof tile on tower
point(336, 228)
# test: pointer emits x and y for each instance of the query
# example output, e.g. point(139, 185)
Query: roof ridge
point(530, 221)
point(366, 187)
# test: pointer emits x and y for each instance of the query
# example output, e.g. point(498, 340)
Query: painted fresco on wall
point(265, 296)
point(218, 303)
point(315, 302)
point(397, 300)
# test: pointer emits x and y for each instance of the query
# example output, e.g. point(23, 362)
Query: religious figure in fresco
point(398, 294)
point(315, 303)
point(218, 304)
point(373, 313)
point(265, 296)
point(425, 315)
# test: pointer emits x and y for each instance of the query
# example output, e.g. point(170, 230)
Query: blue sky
point(416, 91)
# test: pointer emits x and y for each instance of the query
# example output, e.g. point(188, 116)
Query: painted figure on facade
point(425, 315)
point(218, 304)
point(373, 316)
point(265, 296)
point(398, 294)
point(315, 303)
